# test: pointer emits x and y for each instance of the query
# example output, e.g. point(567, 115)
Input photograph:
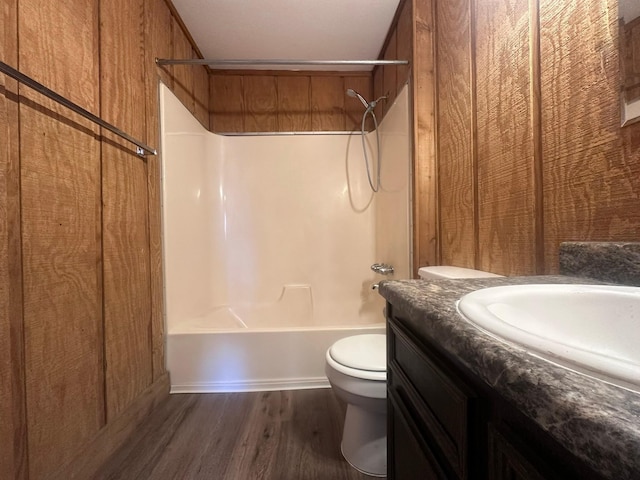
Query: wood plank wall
point(591, 166)
point(388, 80)
point(80, 245)
point(61, 230)
point(283, 101)
point(124, 185)
point(530, 148)
point(504, 142)
point(456, 130)
point(158, 22)
point(13, 451)
point(411, 37)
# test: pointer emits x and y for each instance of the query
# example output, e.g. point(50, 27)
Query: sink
point(590, 329)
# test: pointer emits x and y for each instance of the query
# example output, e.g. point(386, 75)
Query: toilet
point(445, 271)
point(357, 371)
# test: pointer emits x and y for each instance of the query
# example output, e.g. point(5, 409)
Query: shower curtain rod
point(212, 62)
point(141, 148)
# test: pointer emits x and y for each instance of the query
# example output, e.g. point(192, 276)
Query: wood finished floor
point(290, 435)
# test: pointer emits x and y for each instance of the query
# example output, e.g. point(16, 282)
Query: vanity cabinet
point(434, 417)
point(444, 424)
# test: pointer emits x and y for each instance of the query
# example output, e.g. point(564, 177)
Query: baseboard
point(90, 458)
point(252, 385)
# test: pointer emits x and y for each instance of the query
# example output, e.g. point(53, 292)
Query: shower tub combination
point(257, 347)
point(268, 240)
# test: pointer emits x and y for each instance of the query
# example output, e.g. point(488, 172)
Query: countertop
point(598, 422)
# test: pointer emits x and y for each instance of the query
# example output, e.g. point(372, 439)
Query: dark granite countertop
point(598, 422)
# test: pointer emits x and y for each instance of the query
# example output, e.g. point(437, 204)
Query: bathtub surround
point(268, 240)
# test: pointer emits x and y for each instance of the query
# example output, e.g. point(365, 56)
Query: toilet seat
point(360, 356)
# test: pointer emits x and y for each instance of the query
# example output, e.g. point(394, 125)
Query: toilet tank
point(444, 271)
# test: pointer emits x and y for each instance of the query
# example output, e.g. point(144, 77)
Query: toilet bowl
point(356, 369)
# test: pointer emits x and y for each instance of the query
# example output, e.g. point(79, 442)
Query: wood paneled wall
point(504, 142)
point(13, 451)
point(159, 44)
point(388, 80)
point(591, 167)
point(81, 311)
point(411, 37)
point(61, 230)
point(530, 148)
point(456, 133)
point(125, 247)
point(282, 101)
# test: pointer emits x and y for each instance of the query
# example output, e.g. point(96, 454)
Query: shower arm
point(374, 103)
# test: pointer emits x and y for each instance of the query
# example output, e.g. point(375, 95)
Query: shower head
point(352, 93)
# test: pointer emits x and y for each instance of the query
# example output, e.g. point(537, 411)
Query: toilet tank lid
point(362, 352)
point(445, 271)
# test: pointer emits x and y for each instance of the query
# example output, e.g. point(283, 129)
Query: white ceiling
point(289, 29)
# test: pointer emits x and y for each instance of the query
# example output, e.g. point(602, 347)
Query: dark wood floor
point(292, 435)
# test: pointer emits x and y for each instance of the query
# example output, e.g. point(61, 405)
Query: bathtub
point(223, 352)
point(267, 245)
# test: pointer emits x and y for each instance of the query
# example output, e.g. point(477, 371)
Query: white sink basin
point(591, 329)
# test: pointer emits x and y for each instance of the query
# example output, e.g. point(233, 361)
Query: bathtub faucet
point(382, 268)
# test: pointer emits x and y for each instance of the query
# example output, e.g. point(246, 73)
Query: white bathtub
point(203, 360)
point(278, 345)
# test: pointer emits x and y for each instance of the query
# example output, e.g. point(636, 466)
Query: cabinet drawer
point(442, 403)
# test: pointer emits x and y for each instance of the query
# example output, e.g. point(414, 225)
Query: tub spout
point(382, 268)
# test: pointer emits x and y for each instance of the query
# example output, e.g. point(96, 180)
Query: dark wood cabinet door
point(507, 461)
point(439, 405)
point(409, 457)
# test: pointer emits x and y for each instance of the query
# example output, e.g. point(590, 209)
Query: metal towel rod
point(204, 61)
point(141, 149)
